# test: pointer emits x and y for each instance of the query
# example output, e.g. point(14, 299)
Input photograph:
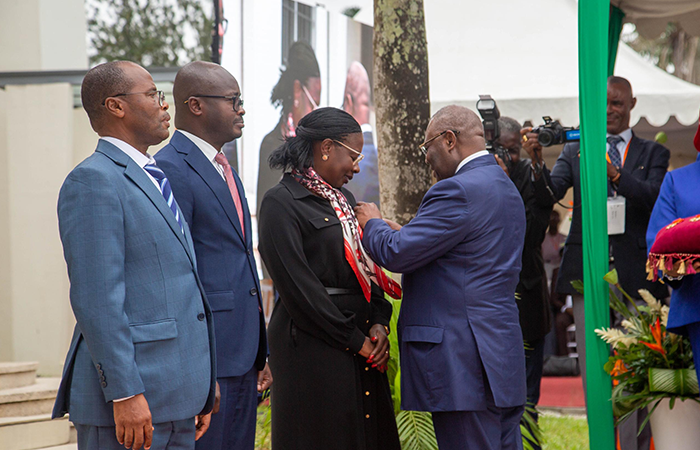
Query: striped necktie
point(613, 152)
point(165, 189)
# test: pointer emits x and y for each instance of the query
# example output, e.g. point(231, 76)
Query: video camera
point(489, 114)
point(552, 133)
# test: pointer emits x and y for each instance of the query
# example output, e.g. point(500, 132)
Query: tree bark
point(402, 105)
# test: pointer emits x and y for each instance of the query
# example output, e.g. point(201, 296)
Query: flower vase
point(677, 428)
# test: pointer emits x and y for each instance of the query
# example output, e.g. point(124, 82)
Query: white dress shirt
point(622, 146)
point(470, 158)
point(208, 150)
point(138, 157)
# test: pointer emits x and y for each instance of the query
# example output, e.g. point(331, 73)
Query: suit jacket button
point(101, 372)
point(200, 316)
point(253, 291)
point(102, 378)
point(247, 252)
point(104, 384)
point(98, 367)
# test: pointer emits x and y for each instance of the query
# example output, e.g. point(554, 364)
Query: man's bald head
point(460, 135)
point(205, 97)
point(356, 96)
point(199, 77)
point(453, 117)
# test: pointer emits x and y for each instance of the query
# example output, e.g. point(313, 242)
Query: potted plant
point(652, 368)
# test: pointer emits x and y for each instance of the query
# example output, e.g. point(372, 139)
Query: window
point(298, 24)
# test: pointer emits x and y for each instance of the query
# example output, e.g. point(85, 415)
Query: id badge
point(616, 215)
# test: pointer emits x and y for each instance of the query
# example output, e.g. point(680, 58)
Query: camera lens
point(545, 137)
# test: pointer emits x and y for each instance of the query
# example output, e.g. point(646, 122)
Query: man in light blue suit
point(209, 113)
point(140, 371)
point(461, 345)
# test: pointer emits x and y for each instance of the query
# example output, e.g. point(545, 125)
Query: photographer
point(636, 168)
point(532, 295)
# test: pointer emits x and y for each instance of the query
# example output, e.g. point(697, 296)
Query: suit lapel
point(204, 168)
point(633, 154)
point(139, 177)
point(136, 174)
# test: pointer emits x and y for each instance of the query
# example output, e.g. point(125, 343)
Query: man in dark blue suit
point(636, 168)
point(461, 345)
point(209, 113)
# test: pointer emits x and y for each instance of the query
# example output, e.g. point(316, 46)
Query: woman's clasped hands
point(376, 348)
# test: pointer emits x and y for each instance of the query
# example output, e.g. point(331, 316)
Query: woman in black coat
point(328, 332)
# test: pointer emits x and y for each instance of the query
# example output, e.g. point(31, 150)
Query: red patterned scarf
point(365, 269)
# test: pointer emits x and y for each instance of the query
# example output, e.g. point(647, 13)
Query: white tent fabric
point(525, 55)
point(652, 16)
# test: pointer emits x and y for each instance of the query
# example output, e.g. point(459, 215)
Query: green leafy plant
point(648, 363)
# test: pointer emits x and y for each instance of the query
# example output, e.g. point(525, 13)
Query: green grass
point(560, 432)
point(564, 432)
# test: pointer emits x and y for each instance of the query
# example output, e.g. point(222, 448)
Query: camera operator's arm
point(559, 180)
point(638, 192)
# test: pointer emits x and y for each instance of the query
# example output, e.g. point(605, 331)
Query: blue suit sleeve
point(664, 211)
point(438, 226)
point(91, 223)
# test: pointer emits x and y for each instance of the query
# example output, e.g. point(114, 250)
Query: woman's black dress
point(324, 395)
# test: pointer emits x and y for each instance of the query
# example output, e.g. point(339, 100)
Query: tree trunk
point(402, 105)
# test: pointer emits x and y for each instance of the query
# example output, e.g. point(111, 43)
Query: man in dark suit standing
point(636, 168)
point(461, 345)
point(364, 185)
point(209, 113)
point(141, 365)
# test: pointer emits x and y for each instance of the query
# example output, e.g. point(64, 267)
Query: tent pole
point(593, 60)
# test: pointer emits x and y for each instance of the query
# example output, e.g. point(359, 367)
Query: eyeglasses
point(160, 94)
point(308, 96)
point(424, 146)
point(360, 156)
point(235, 100)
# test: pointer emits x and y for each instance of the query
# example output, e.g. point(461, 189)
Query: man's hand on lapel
point(264, 378)
point(366, 211)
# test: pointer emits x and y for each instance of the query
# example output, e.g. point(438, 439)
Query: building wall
point(42, 35)
point(38, 153)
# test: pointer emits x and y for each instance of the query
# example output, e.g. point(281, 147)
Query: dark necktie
point(165, 189)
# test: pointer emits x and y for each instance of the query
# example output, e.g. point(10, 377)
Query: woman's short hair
point(301, 65)
point(323, 123)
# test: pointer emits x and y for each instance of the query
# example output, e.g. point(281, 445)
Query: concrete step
point(17, 374)
point(29, 400)
point(62, 447)
point(33, 432)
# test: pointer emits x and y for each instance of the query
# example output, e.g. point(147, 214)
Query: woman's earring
point(296, 103)
point(324, 157)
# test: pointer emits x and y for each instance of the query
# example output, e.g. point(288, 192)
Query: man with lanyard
point(636, 168)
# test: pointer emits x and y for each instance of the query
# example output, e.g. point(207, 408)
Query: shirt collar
point(471, 157)
point(366, 128)
point(138, 157)
point(625, 135)
point(209, 151)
